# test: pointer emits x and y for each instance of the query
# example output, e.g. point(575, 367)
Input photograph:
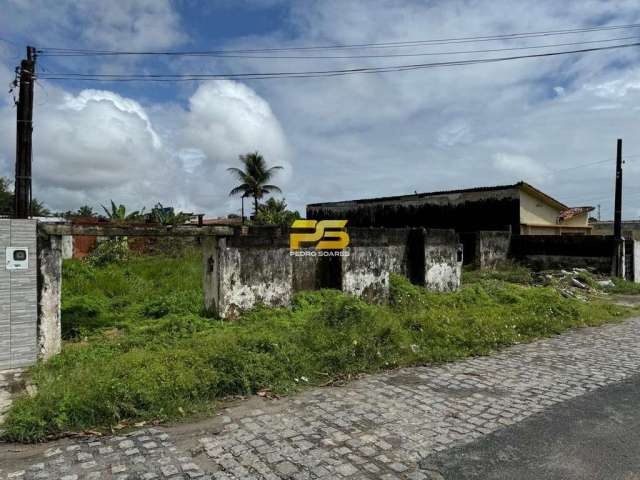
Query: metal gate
point(18, 293)
point(629, 261)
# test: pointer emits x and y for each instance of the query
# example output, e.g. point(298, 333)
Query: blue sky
point(338, 138)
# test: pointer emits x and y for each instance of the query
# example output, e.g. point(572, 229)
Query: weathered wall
point(563, 251)
point(242, 271)
point(630, 228)
point(492, 249)
point(443, 259)
point(373, 255)
point(50, 254)
point(67, 246)
point(463, 211)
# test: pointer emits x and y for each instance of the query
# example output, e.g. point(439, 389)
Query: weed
point(139, 348)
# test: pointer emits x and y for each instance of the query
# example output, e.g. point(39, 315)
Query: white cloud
point(355, 136)
point(519, 166)
point(97, 145)
point(130, 24)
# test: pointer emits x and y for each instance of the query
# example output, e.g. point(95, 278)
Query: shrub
point(109, 251)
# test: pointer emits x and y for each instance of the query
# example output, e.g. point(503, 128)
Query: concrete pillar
point(442, 260)
point(67, 247)
point(49, 292)
point(365, 273)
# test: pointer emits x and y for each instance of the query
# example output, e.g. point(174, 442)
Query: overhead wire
point(397, 44)
point(314, 73)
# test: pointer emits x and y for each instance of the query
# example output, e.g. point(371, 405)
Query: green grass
point(139, 348)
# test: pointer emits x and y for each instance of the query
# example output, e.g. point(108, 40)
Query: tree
point(275, 212)
point(6, 197)
point(7, 201)
point(119, 213)
point(168, 216)
point(38, 209)
point(85, 211)
point(254, 178)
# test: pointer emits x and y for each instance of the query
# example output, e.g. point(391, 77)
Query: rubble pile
point(579, 283)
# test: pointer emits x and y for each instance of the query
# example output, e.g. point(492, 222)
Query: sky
point(552, 122)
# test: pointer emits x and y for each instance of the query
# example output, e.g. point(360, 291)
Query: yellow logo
point(321, 238)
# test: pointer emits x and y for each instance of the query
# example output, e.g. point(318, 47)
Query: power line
point(386, 55)
point(410, 43)
point(313, 73)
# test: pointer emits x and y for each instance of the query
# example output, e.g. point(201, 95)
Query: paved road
point(383, 426)
point(595, 436)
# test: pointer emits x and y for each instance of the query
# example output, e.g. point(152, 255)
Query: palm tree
point(254, 177)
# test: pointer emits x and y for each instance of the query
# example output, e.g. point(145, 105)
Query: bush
point(109, 251)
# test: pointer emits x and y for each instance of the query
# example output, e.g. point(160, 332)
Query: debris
point(577, 283)
point(606, 283)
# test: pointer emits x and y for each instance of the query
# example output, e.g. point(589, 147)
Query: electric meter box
point(18, 293)
point(17, 258)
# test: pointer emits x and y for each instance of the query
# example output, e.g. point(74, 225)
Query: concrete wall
point(243, 271)
point(373, 255)
point(443, 259)
point(543, 252)
point(50, 255)
point(492, 249)
point(630, 228)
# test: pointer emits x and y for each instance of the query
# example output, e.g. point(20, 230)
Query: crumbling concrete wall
point(50, 254)
point(373, 255)
point(443, 258)
point(492, 249)
point(241, 272)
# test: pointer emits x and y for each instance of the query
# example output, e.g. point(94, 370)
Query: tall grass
point(138, 347)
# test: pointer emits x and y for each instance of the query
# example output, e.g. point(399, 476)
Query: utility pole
point(24, 128)
point(617, 219)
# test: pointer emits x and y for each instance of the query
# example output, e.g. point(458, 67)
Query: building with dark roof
point(519, 208)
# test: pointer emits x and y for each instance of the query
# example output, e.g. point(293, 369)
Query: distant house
point(519, 208)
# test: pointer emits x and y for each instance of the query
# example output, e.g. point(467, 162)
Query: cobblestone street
point(378, 427)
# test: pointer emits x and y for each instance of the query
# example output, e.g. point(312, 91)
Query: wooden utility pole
point(24, 128)
point(619, 263)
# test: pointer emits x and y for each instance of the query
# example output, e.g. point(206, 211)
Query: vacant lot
point(139, 348)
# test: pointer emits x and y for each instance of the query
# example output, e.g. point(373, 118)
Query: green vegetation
point(275, 212)
point(139, 348)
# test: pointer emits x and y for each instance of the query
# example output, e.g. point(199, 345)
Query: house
point(520, 208)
